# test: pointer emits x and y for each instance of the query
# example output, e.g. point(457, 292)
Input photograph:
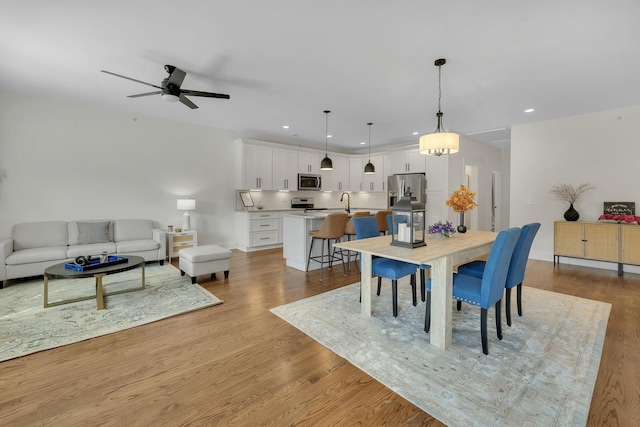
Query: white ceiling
point(285, 61)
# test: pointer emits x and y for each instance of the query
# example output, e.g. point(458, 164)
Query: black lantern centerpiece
point(408, 218)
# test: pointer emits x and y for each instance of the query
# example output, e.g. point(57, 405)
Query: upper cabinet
point(285, 169)
point(338, 178)
point(309, 162)
point(406, 162)
point(376, 181)
point(255, 164)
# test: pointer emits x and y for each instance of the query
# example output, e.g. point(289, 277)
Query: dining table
point(441, 253)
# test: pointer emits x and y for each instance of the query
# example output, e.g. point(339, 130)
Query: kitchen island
point(296, 241)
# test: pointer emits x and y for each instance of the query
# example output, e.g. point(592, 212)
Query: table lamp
point(186, 205)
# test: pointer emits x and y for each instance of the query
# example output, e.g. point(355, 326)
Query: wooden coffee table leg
point(99, 292)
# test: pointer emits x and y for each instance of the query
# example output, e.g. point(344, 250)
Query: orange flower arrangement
point(462, 200)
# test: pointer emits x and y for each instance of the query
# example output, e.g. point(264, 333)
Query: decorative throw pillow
point(93, 232)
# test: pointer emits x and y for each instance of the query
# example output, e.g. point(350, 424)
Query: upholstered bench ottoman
point(205, 259)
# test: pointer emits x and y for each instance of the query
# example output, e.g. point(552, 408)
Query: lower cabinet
point(258, 230)
point(619, 243)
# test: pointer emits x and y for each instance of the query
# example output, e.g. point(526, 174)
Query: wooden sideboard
point(598, 241)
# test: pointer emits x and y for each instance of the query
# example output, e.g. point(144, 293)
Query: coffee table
point(59, 271)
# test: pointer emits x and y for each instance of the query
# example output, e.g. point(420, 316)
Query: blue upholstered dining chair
point(423, 267)
point(517, 267)
point(485, 291)
point(367, 227)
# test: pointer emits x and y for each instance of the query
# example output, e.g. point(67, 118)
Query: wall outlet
point(528, 202)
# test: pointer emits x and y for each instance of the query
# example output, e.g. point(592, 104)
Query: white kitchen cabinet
point(355, 173)
point(285, 169)
point(309, 162)
point(407, 162)
point(257, 230)
point(255, 163)
point(376, 181)
point(338, 178)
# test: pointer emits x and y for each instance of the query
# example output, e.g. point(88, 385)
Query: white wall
point(62, 161)
point(486, 159)
point(601, 149)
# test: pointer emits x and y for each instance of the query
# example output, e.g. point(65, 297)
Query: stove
point(302, 203)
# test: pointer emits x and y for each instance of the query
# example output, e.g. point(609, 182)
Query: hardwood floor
point(238, 364)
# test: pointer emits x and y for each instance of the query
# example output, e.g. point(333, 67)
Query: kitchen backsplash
point(282, 200)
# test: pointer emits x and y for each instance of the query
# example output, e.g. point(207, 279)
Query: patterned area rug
point(541, 374)
point(26, 327)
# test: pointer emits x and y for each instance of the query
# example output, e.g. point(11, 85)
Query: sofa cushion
point(30, 235)
point(93, 231)
point(132, 229)
point(91, 249)
point(28, 256)
point(128, 246)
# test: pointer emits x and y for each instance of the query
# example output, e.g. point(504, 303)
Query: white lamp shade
point(186, 204)
point(440, 143)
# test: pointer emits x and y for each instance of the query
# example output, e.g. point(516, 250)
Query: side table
point(181, 240)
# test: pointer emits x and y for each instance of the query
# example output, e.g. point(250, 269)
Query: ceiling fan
point(170, 88)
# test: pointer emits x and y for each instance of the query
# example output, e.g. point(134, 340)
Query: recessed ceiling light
point(415, 133)
point(285, 127)
point(329, 136)
point(529, 110)
point(362, 143)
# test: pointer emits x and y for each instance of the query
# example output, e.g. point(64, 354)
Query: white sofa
point(34, 246)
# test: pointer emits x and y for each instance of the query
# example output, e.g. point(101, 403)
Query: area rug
point(541, 374)
point(26, 327)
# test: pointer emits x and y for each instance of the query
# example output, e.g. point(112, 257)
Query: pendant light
point(369, 168)
point(326, 164)
point(440, 141)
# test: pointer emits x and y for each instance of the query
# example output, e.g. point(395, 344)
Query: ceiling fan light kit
point(326, 164)
point(170, 89)
point(440, 141)
point(369, 168)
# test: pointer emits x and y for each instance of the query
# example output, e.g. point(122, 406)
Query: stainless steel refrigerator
point(400, 184)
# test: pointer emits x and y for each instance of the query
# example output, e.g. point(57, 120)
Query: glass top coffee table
point(59, 271)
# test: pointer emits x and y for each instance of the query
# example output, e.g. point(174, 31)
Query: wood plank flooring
point(238, 364)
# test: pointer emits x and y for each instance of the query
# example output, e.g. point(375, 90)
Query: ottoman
point(205, 259)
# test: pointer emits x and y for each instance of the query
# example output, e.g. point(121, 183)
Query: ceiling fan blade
point(129, 78)
point(145, 94)
point(205, 94)
point(176, 77)
point(187, 102)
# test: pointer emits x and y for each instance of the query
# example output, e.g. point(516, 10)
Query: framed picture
point(247, 200)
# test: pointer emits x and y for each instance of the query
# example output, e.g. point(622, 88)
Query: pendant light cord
point(369, 124)
point(326, 133)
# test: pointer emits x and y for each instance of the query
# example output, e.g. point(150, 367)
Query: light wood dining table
point(442, 254)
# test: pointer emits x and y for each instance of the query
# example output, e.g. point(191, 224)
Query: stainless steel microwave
point(309, 182)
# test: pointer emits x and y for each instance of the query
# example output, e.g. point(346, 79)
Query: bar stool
point(332, 228)
point(350, 230)
point(381, 219)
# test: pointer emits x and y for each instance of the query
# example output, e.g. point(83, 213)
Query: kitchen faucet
point(348, 202)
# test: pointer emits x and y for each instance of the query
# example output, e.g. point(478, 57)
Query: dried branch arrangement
point(569, 194)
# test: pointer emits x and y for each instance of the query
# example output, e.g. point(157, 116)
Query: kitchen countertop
point(302, 210)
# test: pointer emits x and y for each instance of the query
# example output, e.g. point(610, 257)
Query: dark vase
point(571, 214)
point(463, 228)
